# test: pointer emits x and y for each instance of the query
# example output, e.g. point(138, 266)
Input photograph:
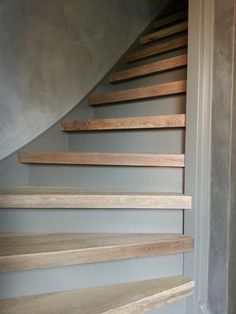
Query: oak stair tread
point(150, 68)
point(170, 19)
point(71, 197)
point(103, 159)
point(33, 251)
point(136, 297)
point(166, 32)
point(157, 49)
point(147, 122)
point(140, 93)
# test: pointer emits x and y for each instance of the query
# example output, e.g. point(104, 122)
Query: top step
point(170, 19)
point(166, 46)
point(166, 32)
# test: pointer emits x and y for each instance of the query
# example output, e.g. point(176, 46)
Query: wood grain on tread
point(32, 251)
point(148, 122)
point(170, 19)
point(54, 197)
point(168, 45)
point(150, 68)
point(102, 159)
point(151, 91)
point(129, 298)
point(168, 31)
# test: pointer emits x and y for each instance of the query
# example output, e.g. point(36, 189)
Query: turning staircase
point(136, 81)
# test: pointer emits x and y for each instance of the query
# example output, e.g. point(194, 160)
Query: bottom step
point(128, 298)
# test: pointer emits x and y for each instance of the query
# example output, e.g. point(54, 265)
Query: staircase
point(134, 86)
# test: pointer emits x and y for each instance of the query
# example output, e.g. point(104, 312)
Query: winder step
point(148, 122)
point(55, 197)
point(166, 32)
point(170, 19)
point(102, 159)
point(150, 68)
point(168, 45)
point(147, 92)
point(136, 297)
point(33, 251)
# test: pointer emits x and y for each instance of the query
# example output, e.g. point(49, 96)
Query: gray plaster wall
point(222, 257)
point(53, 52)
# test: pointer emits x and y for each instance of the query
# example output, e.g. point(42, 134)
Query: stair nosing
point(183, 14)
point(148, 69)
point(48, 197)
point(157, 49)
point(127, 123)
point(140, 93)
point(33, 251)
point(120, 298)
point(160, 34)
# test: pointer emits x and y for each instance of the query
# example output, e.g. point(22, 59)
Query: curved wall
point(53, 52)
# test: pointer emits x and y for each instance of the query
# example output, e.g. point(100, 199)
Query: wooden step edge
point(157, 49)
point(148, 122)
point(128, 298)
point(147, 92)
point(166, 32)
point(103, 159)
point(170, 19)
point(25, 252)
point(148, 69)
point(91, 200)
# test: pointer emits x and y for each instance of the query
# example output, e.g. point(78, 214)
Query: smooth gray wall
point(222, 270)
point(53, 52)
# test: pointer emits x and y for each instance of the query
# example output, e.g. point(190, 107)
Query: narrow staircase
point(166, 38)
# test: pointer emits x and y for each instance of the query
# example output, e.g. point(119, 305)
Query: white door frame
point(198, 148)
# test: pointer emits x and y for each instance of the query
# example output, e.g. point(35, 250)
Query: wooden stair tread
point(168, 45)
point(32, 251)
point(148, 122)
point(168, 31)
point(102, 159)
point(151, 91)
point(54, 197)
point(128, 298)
point(147, 69)
point(170, 19)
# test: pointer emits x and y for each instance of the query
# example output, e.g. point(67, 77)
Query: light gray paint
point(198, 149)
point(53, 52)
point(222, 253)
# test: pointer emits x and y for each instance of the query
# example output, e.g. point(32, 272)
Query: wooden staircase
point(28, 251)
